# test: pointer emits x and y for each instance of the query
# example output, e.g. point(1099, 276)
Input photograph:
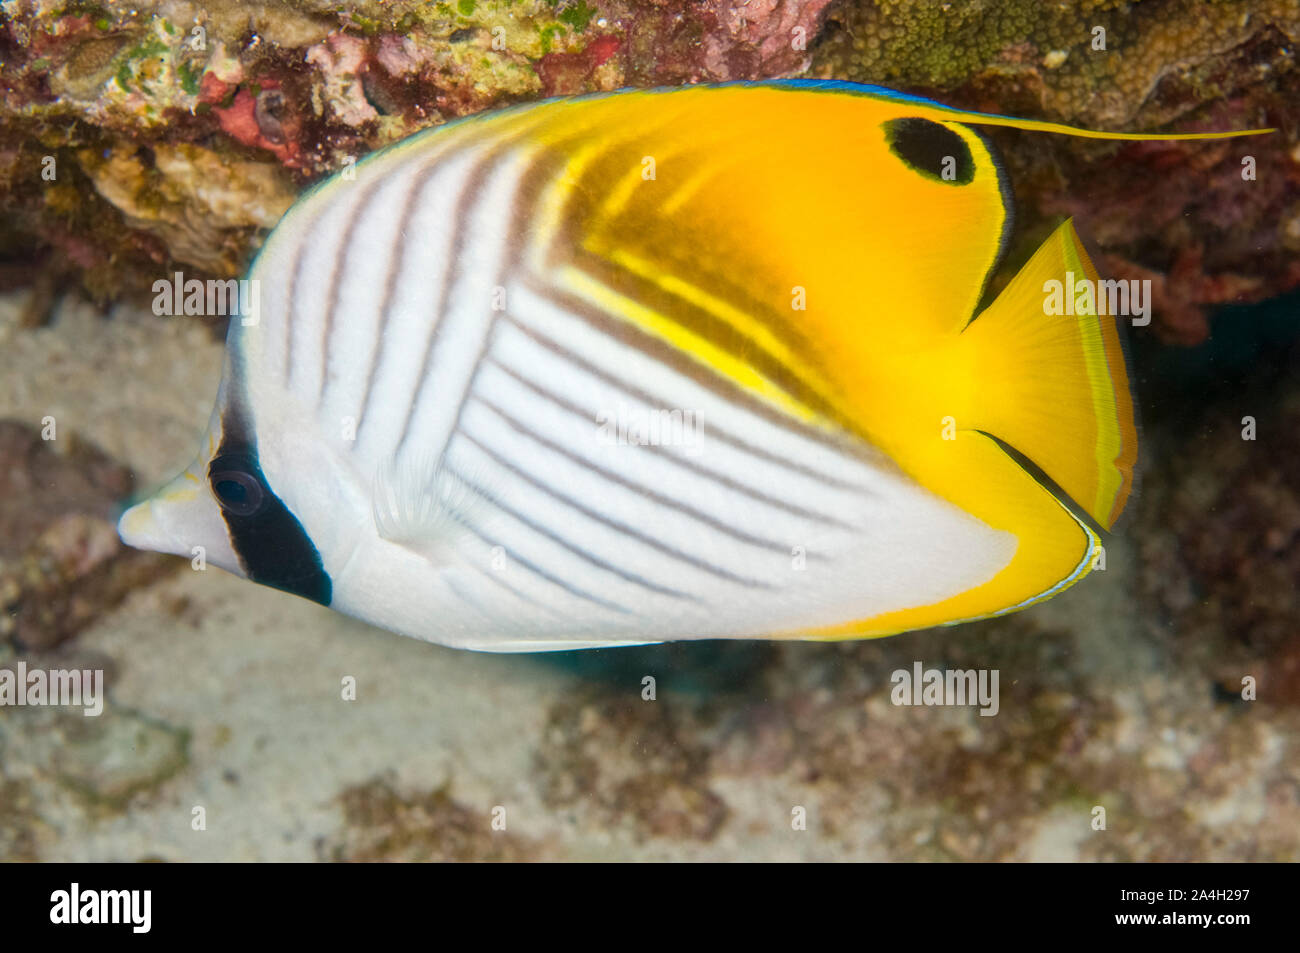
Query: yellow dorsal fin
point(772, 225)
point(790, 229)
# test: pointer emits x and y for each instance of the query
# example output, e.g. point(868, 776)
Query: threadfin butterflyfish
point(664, 364)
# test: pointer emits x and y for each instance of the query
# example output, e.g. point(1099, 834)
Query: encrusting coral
point(112, 113)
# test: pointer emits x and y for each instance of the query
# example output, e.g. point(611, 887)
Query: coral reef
point(194, 126)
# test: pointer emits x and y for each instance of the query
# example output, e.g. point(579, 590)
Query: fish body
point(696, 363)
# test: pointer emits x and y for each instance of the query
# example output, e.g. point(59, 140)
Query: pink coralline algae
point(341, 60)
point(760, 38)
point(260, 119)
point(570, 73)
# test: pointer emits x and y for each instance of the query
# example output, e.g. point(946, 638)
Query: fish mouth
point(138, 527)
point(143, 527)
point(151, 523)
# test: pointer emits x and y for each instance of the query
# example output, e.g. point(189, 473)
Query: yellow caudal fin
point(1051, 377)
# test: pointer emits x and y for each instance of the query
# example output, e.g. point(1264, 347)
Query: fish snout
point(138, 527)
point(182, 519)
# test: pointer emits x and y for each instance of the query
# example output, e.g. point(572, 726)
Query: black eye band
point(238, 490)
point(272, 546)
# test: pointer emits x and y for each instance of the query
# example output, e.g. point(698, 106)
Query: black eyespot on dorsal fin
point(931, 149)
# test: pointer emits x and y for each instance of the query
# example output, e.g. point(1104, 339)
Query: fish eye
point(238, 491)
point(932, 149)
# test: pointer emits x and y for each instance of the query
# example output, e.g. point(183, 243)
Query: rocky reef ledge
point(139, 137)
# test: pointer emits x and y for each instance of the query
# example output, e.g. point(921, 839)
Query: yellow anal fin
point(1053, 549)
